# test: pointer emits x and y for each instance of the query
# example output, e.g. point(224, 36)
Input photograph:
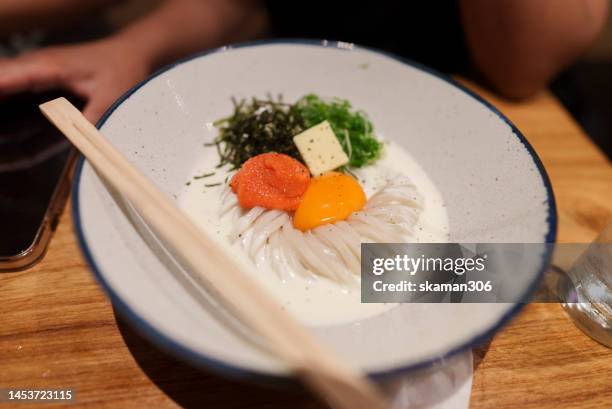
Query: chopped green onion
point(260, 126)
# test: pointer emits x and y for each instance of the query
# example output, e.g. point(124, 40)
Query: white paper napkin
point(447, 386)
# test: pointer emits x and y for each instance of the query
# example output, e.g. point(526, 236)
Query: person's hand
point(99, 72)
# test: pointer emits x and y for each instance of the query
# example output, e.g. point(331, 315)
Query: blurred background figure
point(97, 49)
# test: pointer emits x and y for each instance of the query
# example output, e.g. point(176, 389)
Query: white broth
point(317, 301)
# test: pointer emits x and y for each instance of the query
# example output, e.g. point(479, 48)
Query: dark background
point(431, 33)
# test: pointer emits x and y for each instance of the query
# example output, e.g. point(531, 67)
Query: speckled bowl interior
point(491, 180)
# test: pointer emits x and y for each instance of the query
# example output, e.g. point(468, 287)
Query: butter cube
point(320, 149)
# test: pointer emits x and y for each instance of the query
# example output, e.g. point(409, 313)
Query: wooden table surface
point(57, 329)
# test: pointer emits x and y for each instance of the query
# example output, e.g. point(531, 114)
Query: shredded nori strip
point(257, 127)
point(205, 175)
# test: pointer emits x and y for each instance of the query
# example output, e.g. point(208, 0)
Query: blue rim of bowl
point(195, 358)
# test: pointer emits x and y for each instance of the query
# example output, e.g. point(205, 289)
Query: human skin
point(518, 46)
point(101, 71)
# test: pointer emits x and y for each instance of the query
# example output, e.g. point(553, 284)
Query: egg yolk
point(329, 198)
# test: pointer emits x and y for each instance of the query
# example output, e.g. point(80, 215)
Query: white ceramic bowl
point(494, 185)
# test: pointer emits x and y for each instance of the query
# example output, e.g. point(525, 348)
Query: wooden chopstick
point(339, 385)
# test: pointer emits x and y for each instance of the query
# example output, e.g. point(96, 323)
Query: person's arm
point(520, 45)
point(102, 70)
point(181, 27)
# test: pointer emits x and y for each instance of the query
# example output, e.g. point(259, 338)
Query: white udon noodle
point(331, 250)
